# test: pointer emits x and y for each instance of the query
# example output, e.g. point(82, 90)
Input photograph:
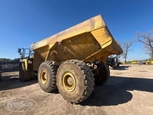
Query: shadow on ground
point(115, 91)
point(121, 67)
point(12, 82)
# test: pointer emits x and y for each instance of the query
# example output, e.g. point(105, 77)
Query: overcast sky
point(23, 22)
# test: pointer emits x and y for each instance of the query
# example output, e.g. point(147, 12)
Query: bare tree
point(126, 48)
point(147, 40)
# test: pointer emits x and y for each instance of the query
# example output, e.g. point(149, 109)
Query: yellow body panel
point(87, 41)
point(86, 26)
point(25, 61)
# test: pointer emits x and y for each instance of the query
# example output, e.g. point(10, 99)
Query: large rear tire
point(47, 76)
point(75, 81)
point(24, 75)
point(103, 75)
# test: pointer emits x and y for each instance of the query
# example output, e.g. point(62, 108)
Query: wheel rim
point(69, 82)
point(43, 76)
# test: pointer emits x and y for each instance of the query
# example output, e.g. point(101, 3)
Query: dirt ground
point(129, 91)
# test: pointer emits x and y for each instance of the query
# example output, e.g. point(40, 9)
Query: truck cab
point(26, 71)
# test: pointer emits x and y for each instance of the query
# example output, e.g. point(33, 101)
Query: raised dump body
point(86, 41)
point(72, 60)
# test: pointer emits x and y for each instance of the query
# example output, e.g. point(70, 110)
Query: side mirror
point(19, 50)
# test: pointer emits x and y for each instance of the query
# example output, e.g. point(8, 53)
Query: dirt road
point(129, 91)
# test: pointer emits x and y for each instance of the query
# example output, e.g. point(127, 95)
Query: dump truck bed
point(86, 41)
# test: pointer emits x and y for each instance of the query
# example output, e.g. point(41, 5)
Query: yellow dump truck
point(73, 60)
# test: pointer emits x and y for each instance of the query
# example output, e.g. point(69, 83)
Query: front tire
point(24, 75)
point(75, 81)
